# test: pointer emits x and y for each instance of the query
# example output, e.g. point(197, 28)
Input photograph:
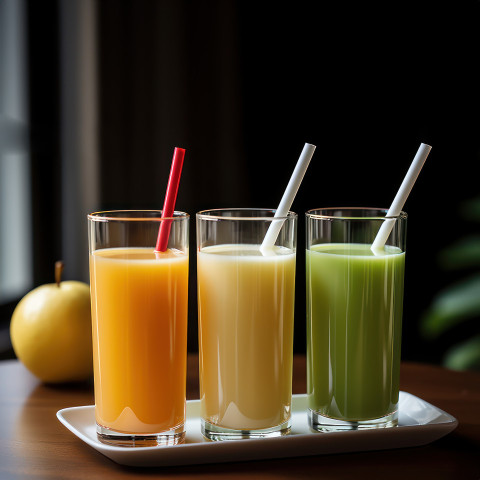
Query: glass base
point(111, 437)
point(321, 423)
point(217, 433)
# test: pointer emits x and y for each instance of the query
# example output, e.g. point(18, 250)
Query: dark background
point(242, 86)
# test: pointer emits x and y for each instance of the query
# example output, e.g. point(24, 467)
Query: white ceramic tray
point(419, 423)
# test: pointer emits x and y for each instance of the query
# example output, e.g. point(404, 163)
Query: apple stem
point(58, 272)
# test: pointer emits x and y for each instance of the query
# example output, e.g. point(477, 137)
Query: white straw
point(401, 197)
point(287, 199)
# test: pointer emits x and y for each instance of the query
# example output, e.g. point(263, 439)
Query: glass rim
point(205, 215)
point(110, 216)
point(319, 216)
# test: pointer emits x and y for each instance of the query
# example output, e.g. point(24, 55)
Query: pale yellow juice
point(246, 310)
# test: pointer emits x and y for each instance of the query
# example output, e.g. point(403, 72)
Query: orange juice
point(139, 316)
point(246, 309)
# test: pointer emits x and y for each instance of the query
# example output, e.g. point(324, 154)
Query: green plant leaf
point(464, 253)
point(452, 306)
point(470, 210)
point(464, 356)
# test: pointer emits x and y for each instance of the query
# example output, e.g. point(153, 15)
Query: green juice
point(354, 324)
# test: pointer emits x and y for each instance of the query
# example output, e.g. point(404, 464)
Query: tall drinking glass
point(246, 309)
point(354, 319)
point(139, 319)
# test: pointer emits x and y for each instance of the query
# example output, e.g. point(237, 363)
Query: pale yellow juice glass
point(139, 317)
point(246, 314)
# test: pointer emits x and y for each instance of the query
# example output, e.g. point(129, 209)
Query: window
point(16, 266)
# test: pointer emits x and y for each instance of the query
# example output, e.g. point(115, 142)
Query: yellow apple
point(51, 331)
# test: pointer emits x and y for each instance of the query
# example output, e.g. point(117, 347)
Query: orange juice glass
point(139, 322)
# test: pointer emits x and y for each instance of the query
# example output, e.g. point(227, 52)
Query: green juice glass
point(354, 319)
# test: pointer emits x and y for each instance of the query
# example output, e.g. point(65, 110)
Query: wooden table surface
point(34, 445)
